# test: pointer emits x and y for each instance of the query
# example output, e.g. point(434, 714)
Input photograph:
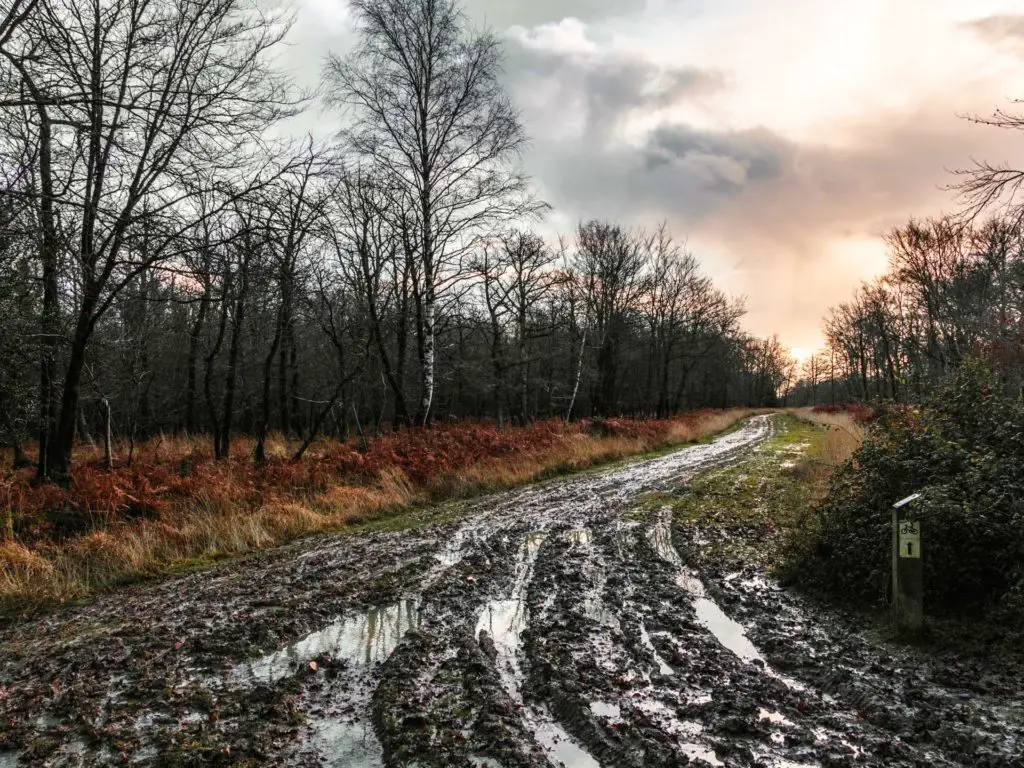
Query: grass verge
point(175, 508)
point(764, 509)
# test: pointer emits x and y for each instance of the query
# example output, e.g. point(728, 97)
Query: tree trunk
point(294, 422)
point(259, 453)
point(108, 456)
point(317, 424)
point(193, 357)
point(428, 356)
point(62, 440)
point(50, 316)
point(524, 369)
point(579, 375)
point(231, 377)
point(20, 459)
point(211, 406)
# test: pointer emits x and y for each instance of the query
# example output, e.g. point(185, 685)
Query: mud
point(563, 623)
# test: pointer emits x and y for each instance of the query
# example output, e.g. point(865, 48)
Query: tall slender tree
point(434, 119)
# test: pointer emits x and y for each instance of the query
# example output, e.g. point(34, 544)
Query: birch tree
point(432, 116)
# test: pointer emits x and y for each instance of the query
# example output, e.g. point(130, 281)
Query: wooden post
point(907, 569)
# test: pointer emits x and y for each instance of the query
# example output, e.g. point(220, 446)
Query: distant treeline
point(953, 290)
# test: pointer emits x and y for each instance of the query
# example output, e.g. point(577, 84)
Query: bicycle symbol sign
point(910, 539)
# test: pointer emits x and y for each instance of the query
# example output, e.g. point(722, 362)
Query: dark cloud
point(773, 205)
point(751, 155)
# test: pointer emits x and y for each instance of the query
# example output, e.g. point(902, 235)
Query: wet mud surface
point(564, 623)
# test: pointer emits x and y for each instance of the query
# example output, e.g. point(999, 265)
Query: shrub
point(963, 450)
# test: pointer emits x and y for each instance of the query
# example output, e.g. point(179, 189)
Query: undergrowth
point(176, 507)
point(962, 449)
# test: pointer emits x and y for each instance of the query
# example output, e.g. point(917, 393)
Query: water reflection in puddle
point(776, 718)
point(484, 762)
point(728, 632)
point(452, 553)
point(666, 719)
point(594, 608)
point(361, 640)
point(696, 752)
point(505, 620)
point(660, 537)
point(560, 747)
point(663, 666)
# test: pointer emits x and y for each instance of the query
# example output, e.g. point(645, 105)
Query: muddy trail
point(561, 623)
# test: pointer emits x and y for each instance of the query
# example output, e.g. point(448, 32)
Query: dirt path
point(552, 624)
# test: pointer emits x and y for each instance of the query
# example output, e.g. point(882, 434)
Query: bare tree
point(435, 121)
point(140, 105)
point(988, 187)
point(611, 265)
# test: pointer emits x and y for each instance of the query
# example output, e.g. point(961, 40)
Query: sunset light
point(511, 383)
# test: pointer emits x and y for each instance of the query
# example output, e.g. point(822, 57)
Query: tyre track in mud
point(549, 625)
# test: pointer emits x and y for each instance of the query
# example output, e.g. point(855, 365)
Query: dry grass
point(847, 431)
point(176, 505)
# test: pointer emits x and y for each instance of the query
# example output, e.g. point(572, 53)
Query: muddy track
point(550, 624)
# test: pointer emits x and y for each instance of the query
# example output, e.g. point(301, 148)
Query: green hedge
point(964, 451)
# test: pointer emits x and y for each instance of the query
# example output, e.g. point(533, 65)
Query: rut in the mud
point(552, 624)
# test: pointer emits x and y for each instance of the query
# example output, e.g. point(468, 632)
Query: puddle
point(728, 632)
point(504, 621)
point(560, 747)
point(347, 744)
point(603, 615)
point(660, 537)
point(645, 638)
point(769, 760)
point(777, 718)
point(697, 752)
point(9, 759)
point(666, 718)
point(612, 712)
point(452, 553)
point(823, 737)
point(361, 640)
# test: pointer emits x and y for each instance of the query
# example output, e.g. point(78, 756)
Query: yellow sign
point(910, 539)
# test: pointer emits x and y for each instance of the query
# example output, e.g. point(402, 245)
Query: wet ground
point(563, 623)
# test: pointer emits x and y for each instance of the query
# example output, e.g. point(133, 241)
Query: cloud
point(560, 74)
point(529, 13)
point(1001, 28)
point(791, 225)
point(745, 156)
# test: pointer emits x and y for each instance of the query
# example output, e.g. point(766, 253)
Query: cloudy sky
point(780, 138)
